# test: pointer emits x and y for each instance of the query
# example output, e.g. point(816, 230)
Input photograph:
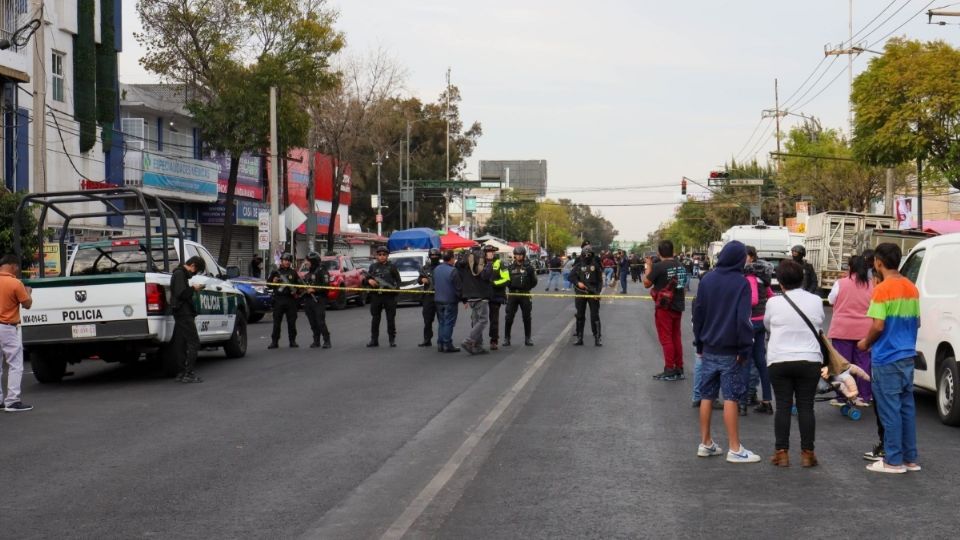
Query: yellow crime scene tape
point(420, 291)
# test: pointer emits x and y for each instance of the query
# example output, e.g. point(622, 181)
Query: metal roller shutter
point(242, 250)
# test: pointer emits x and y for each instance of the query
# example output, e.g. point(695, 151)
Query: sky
point(623, 98)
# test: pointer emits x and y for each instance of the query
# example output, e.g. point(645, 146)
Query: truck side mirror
point(233, 272)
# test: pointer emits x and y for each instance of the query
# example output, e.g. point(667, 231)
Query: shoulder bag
point(834, 361)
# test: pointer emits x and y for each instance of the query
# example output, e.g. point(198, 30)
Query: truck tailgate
point(86, 307)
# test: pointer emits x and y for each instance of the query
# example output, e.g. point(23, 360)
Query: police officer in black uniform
point(587, 278)
point(429, 306)
point(384, 276)
point(284, 300)
point(523, 279)
point(315, 300)
point(186, 341)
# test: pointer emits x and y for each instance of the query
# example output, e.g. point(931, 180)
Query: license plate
point(84, 330)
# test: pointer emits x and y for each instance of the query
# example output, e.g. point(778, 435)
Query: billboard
point(526, 177)
point(179, 178)
point(249, 176)
point(903, 209)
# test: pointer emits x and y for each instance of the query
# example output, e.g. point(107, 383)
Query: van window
point(408, 264)
point(104, 259)
point(911, 268)
point(940, 278)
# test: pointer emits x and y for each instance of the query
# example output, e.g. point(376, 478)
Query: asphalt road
point(551, 441)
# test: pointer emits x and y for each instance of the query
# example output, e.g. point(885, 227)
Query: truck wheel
point(255, 317)
point(47, 366)
point(947, 404)
point(237, 346)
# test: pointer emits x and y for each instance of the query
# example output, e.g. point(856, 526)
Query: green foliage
point(85, 75)
point(512, 218)
point(30, 244)
point(830, 184)
point(427, 157)
point(589, 225)
point(106, 74)
point(906, 106)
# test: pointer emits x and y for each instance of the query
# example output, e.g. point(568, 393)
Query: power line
point(822, 90)
point(749, 139)
point(805, 81)
point(812, 86)
point(877, 16)
point(895, 30)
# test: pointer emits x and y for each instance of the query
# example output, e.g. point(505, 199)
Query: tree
point(511, 217)
point(826, 175)
point(556, 225)
point(29, 242)
point(209, 46)
point(906, 105)
point(345, 117)
point(589, 225)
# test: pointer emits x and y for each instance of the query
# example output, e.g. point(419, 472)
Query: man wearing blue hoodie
point(723, 335)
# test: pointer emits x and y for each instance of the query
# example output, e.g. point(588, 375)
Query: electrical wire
point(877, 16)
point(805, 81)
point(812, 86)
point(750, 138)
point(895, 30)
point(822, 90)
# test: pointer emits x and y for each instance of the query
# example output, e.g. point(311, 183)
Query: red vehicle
point(343, 275)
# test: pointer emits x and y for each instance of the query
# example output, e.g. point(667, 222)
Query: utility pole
point(410, 193)
point(400, 182)
point(446, 213)
point(311, 201)
point(379, 163)
point(40, 104)
point(850, 49)
point(777, 114)
point(274, 178)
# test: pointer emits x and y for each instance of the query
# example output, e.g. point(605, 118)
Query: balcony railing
point(13, 15)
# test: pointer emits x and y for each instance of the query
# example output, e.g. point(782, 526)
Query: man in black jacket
point(587, 279)
point(810, 282)
point(383, 276)
point(315, 300)
point(186, 341)
point(429, 306)
point(284, 300)
point(523, 278)
point(475, 275)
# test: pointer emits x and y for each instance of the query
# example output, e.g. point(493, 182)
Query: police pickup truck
point(111, 301)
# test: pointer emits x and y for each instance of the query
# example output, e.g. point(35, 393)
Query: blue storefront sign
point(180, 178)
point(246, 213)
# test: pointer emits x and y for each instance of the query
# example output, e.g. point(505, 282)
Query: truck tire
point(237, 346)
point(47, 366)
point(947, 404)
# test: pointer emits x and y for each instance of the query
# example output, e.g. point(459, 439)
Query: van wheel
point(237, 346)
point(255, 317)
point(947, 404)
point(47, 366)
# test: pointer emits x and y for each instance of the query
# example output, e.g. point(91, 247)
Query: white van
point(932, 265)
point(772, 242)
point(409, 262)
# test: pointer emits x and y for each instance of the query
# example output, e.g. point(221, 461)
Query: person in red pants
point(667, 280)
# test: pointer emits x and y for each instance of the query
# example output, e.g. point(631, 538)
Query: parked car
point(259, 299)
point(931, 265)
point(344, 274)
point(409, 262)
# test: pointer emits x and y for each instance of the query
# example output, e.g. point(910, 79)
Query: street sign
point(263, 221)
point(374, 201)
point(745, 182)
point(294, 217)
point(263, 240)
point(453, 184)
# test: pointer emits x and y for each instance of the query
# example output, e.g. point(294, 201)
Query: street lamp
point(379, 163)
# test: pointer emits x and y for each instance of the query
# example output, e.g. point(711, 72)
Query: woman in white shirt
point(794, 360)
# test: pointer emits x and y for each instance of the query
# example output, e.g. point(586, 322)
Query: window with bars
point(56, 72)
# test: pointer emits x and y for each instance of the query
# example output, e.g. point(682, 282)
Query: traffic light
point(683, 186)
point(719, 175)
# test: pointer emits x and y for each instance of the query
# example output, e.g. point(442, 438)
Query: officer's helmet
point(286, 257)
point(520, 250)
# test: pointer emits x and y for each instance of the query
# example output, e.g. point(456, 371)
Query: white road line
point(416, 508)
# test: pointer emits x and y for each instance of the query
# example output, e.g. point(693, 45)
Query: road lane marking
point(426, 496)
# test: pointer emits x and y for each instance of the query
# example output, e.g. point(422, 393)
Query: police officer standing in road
point(429, 306)
point(186, 341)
point(587, 279)
point(384, 276)
point(315, 301)
point(284, 300)
point(523, 278)
point(499, 279)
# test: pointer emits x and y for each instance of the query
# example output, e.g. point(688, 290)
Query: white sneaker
point(742, 456)
point(709, 451)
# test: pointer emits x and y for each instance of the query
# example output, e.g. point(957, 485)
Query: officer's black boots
point(596, 334)
point(373, 343)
